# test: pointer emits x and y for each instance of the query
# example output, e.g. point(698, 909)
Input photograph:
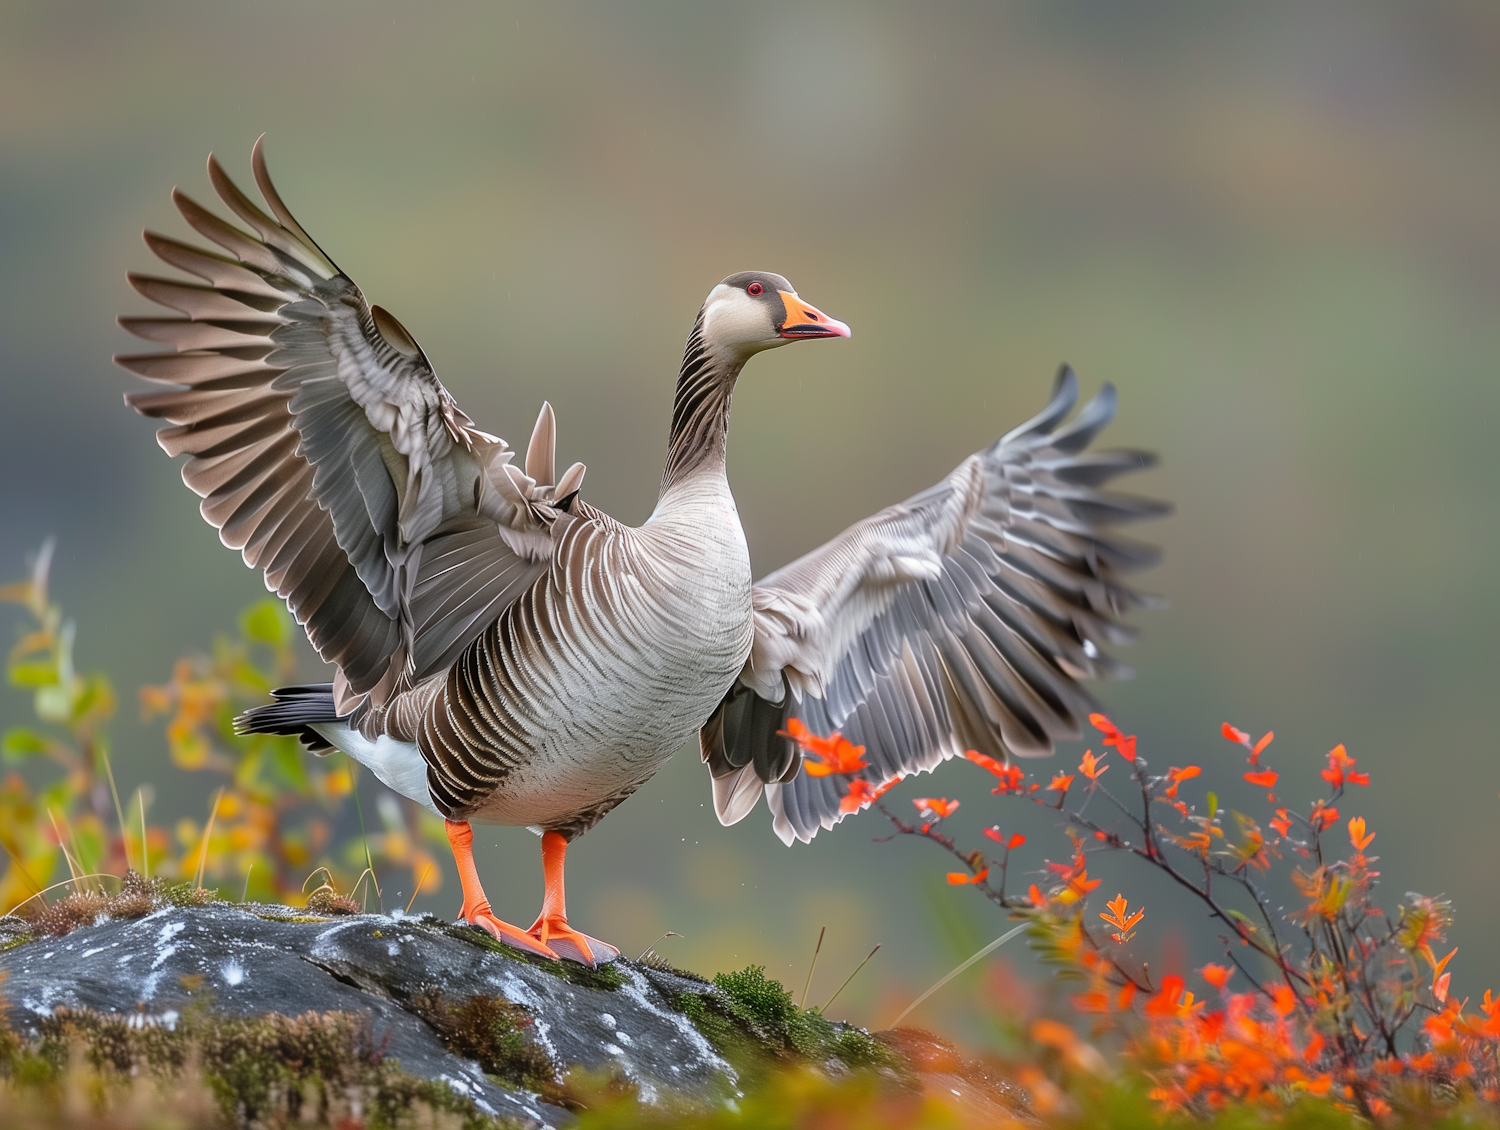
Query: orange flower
point(862, 795)
point(1116, 918)
point(935, 808)
point(1282, 822)
point(1034, 894)
point(1165, 1003)
point(1015, 839)
point(1282, 999)
point(835, 753)
point(1010, 779)
point(1323, 816)
point(1177, 776)
point(1061, 782)
point(1266, 778)
point(1217, 975)
point(1357, 835)
point(1089, 766)
point(1339, 765)
point(1078, 886)
point(1123, 745)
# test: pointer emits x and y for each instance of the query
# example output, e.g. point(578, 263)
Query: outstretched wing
point(328, 453)
point(960, 619)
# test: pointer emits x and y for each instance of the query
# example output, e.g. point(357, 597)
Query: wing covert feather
point(324, 447)
point(963, 618)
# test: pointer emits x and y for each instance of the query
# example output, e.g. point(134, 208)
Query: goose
point(505, 653)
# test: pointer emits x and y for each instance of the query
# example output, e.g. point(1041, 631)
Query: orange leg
point(551, 927)
point(476, 908)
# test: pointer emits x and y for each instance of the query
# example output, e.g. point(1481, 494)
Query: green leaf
point(266, 622)
point(1213, 804)
point(54, 703)
point(33, 674)
point(20, 743)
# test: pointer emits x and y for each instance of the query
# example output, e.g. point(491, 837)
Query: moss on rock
point(751, 1019)
point(322, 1068)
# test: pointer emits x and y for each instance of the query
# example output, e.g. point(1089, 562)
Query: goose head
point(756, 310)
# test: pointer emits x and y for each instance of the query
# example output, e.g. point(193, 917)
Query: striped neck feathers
point(700, 410)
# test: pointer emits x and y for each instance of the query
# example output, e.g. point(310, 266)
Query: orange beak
point(803, 320)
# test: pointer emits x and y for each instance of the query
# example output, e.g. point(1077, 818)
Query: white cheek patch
point(734, 318)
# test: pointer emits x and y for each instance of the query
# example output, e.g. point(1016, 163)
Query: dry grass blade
point(426, 871)
point(806, 985)
point(208, 830)
point(851, 977)
point(996, 944)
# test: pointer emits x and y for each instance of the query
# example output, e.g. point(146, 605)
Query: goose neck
point(698, 443)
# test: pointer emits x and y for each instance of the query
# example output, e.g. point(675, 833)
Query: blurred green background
point(1273, 226)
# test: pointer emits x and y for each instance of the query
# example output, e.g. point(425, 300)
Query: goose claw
point(514, 936)
point(556, 934)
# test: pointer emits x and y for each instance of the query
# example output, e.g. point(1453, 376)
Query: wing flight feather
point(963, 618)
point(325, 449)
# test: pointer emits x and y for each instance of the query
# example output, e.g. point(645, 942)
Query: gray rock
point(250, 960)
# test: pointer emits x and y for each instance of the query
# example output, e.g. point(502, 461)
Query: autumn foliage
point(272, 826)
point(1334, 998)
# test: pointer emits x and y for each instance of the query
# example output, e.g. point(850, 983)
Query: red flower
point(1010, 779)
point(935, 807)
point(1283, 999)
point(1322, 817)
point(1266, 778)
point(862, 795)
point(835, 753)
point(1164, 1004)
point(1015, 839)
point(1339, 765)
point(1061, 783)
point(1239, 737)
point(1124, 745)
point(1282, 822)
point(1090, 767)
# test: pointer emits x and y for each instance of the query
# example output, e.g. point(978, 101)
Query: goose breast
point(586, 686)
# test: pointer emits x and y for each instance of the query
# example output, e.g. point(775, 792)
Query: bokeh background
point(1273, 226)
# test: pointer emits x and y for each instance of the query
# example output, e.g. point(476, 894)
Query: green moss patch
point(751, 1021)
point(606, 977)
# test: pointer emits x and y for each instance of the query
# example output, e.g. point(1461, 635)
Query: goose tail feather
point(294, 711)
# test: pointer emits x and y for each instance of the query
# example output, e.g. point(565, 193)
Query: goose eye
point(754, 288)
